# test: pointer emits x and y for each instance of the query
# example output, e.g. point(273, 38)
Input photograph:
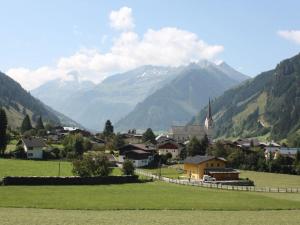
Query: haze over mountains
point(187, 88)
point(267, 105)
point(177, 101)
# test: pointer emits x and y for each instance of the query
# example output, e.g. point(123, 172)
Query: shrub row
point(69, 180)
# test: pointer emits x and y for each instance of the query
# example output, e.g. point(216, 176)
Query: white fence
point(218, 186)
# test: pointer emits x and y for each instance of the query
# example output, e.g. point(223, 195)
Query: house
point(34, 147)
point(144, 147)
point(197, 166)
point(283, 151)
point(139, 158)
point(132, 137)
point(247, 143)
point(97, 143)
point(169, 146)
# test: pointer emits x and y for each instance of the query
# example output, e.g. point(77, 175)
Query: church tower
point(209, 122)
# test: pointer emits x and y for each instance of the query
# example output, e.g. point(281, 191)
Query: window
point(218, 164)
point(212, 165)
point(30, 154)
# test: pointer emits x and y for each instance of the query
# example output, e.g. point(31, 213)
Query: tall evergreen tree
point(3, 128)
point(26, 124)
point(108, 129)
point(195, 147)
point(39, 124)
point(149, 136)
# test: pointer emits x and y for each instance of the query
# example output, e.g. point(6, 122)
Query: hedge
point(69, 180)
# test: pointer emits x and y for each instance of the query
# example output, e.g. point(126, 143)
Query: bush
point(70, 180)
point(128, 168)
point(92, 164)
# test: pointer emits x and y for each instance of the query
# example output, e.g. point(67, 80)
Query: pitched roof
point(197, 159)
point(34, 142)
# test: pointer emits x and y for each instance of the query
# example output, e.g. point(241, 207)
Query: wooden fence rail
point(219, 186)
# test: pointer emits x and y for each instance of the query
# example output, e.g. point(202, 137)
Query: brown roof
point(34, 142)
point(197, 159)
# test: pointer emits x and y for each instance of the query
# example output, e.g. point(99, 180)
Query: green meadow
point(151, 217)
point(144, 203)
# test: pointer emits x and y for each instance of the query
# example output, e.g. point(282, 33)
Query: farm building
point(197, 166)
point(34, 147)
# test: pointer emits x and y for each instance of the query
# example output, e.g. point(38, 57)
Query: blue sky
point(52, 37)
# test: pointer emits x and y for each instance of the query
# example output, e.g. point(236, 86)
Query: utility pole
point(59, 168)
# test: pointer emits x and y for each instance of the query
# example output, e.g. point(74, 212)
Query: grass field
point(145, 203)
point(149, 217)
point(153, 195)
point(272, 179)
point(12, 167)
point(167, 172)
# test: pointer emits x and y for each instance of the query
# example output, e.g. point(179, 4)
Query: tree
point(149, 136)
point(75, 144)
point(205, 142)
point(195, 148)
point(3, 128)
point(108, 129)
point(26, 124)
point(78, 145)
point(92, 164)
point(118, 141)
point(39, 124)
point(128, 168)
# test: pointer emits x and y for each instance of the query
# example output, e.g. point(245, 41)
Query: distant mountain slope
point(267, 105)
point(177, 101)
point(56, 93)
point(17, 102)
point(112, 99)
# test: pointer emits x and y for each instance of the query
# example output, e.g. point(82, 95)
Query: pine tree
point(3, 128)
point(26, 124)
point(39, 124)
point(195, 147)
point(108, 129)
point(149, 136)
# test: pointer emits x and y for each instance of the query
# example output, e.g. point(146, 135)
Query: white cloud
point(168, 46)
point(291, 35)
point(122, 19)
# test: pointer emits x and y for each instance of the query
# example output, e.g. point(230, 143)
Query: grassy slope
point(153, 217)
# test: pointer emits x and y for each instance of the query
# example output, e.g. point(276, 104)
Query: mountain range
point(17, 102)
point(267, 105)
point(180, 99)
point(122, 97)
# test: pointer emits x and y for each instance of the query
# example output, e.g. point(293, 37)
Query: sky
point(51, 39)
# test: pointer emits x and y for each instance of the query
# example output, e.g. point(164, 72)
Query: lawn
point(145, 203)
point(12, 167)
point(167, 172)
point(150, 217)
point(262, 179)
point(152, 195)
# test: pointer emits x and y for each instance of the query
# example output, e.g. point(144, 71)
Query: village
point(190, 149)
